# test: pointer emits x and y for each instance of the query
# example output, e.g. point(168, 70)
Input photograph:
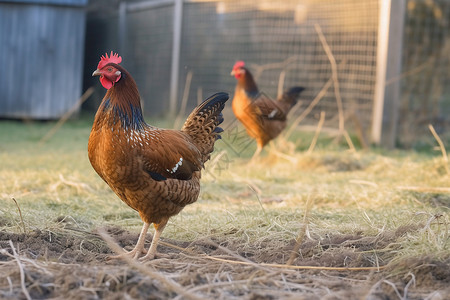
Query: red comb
point(113, 58)
point(239, 64)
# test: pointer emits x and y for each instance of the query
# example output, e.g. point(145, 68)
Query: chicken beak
point(97, 73)
point(232, 73)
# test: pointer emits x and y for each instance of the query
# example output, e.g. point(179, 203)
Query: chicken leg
point(158, 230)
point(139, 248)
point(256, 154)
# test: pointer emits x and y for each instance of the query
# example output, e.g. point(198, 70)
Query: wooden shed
point(41, 57)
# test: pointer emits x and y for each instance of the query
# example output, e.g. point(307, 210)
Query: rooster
point(154, 171)
point(262, 117)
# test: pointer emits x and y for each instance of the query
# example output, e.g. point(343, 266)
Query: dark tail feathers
point(203, 123)
point(291, 95)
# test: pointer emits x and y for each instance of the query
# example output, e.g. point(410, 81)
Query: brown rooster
point(262, 117)
point(155, 171)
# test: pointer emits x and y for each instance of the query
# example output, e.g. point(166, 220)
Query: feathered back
point(202, 125)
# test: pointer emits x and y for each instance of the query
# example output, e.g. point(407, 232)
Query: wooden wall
point(41, 57)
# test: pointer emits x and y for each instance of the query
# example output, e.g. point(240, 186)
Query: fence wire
point(275, 37)
point(425, 81)
point(280, 36)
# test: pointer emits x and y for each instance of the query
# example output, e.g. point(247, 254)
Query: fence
point(425, 78)
point(185, 49)
point(39, 41)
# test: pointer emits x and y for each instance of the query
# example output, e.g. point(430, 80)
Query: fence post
point(389, 59)
point(176, 44)
point(122, 27)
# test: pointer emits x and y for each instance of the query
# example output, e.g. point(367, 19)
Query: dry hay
point(74, 264)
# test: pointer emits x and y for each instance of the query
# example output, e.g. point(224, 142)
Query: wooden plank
point(382, 52)
point(50, 2)
point(176, 47)
point(43, 57)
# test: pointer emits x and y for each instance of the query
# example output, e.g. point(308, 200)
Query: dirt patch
point(74, 264)
point(60, 247)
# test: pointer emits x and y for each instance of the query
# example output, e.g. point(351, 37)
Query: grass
point(360, 209)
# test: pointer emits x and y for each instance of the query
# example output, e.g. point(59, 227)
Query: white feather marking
point(178, 164)
point(272, 113)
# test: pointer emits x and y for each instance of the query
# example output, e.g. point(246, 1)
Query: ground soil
point(74, 264)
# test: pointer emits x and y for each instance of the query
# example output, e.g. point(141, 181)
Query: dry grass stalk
point(285, 266)
point(215, 161)
point(425, 189)
point(441, 146)
point(175, 247)
point(79, 186)
point(394, 288)
point(133, 263)
point(363, 182)
point(412, 281)
point(428, 63)
point(349, 141)
point(22, 272)
point(334, 76)
point(316, 135)
point(294, 110)
point(212, 285)
point(67, 115)
point(359, 130)
point(187, 88)
point(253, 186)
point(287, 157)
point(313, 103)
point(233, 254)
point(199, 95)
point(302, 232)
point(281, 83)
point(259, 69)
point(20, 214)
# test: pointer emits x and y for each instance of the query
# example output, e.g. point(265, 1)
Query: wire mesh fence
point(425, 81)
point(149, 47)
point(284, 44)
point(279, 37)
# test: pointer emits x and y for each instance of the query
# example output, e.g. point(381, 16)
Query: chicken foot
point(139, 248)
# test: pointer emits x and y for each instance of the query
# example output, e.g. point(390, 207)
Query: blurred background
point(391, 58)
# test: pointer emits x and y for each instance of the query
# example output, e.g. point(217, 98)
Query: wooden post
point(176, 45)
point(122, 27)
point(389, 64)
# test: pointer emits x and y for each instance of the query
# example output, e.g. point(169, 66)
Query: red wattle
point(106, 83)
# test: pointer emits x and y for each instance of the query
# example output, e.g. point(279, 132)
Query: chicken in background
point(154, 171)
point(262, 117)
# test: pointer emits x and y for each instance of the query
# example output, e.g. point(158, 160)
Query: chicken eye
point(110, 69)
